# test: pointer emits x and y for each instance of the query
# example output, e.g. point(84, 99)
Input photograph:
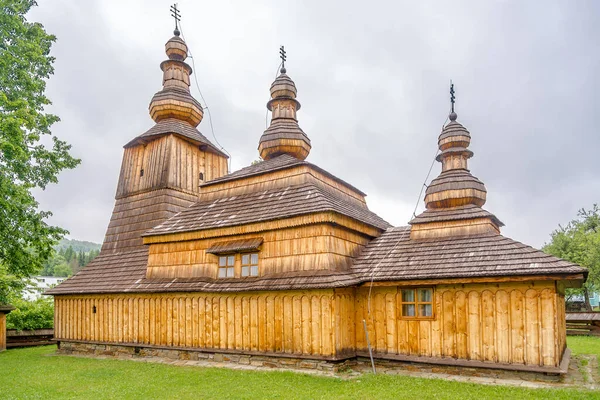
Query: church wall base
point(352, 365)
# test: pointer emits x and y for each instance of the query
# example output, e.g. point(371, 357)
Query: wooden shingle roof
point(394, 256)
point(178, 127)
point(264, 206)
point(468, 211)
point(278, 163)
point(126, 273)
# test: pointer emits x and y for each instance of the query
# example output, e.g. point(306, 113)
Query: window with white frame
point(249, 264)
point(226, 266)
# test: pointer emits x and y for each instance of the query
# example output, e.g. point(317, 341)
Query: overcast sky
point(373, 81)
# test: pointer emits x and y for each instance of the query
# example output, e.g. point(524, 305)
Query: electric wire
point(267, 113)
point(399, 240)
point(206, 107)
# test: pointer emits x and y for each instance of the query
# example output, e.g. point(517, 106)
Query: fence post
point(4, 309)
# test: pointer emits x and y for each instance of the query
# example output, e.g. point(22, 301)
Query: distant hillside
point(77, 245)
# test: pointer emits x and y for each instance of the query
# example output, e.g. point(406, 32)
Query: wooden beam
point(428, 282)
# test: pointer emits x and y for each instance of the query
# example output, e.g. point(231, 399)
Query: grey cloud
point(372, 79)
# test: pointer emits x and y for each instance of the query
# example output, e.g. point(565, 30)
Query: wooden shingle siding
point(514, 323)
point(313, 247)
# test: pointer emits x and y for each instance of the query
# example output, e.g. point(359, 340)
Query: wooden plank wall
point(186, 163)
point(505, 323)
point(319, 246)
point(168, 161)
point(291, 322)
point(2, 331)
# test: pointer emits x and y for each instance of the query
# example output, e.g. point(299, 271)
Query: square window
point(230, 261)
point(222, 273)
point(417, 303)
point(222, 261)
point(250, 264)
point(230, 272)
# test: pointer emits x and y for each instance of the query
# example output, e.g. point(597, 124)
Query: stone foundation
point(349, 367)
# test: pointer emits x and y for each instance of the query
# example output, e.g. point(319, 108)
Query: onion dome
point(455, 186)
point(284, 135)
point(175, 100)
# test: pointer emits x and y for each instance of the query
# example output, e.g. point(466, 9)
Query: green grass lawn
point(35, 373)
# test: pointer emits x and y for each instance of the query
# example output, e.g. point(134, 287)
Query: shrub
point(28, 315)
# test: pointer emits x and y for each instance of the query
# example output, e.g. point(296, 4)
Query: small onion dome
point(175, 100)
point(283, 88)
point(454, 135)
point(455, 186)
point(176, 49)
point(284, 135)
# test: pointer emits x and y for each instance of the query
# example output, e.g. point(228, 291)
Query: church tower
point(284, 135)
point(163, 168)
point(454, 199)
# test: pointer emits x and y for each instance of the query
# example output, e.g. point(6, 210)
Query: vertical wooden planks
point(474, 330)
point(253, 323)
point(462, 349)
point(503, 333)
point(390, 324)
point(488, 326)
point(315, 326)
point(449, 327)
point(231, 323)
point(306, 325)
point(548, 314)
point(297, 324)
point(517, 326)
point(532, 325)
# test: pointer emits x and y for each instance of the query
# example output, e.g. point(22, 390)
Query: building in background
point(39, 285)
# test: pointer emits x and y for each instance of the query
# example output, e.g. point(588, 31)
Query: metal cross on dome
point(177, 16)
point(283, 57)
point(452, 98)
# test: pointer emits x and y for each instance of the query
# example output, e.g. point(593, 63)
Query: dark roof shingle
point(393, 256)
point(182, 128)
point(283, 161)
point(264, 206)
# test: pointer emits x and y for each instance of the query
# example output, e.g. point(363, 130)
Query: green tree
point(579, 242)
point(26, 161)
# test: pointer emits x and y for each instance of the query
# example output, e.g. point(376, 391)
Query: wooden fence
point(38, 337)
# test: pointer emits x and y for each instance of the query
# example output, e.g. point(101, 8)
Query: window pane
point(425, 310)
point(230, 272)
point(230, 261)
point(245, 271)
point(222, 261)
point(222, 272)
point(408, 310)
point(254, 270)
point(425, 295)
point(408, 295)
point(255, 258)
point(245, 259)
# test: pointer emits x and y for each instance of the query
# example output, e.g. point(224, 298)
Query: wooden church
point(284, 261)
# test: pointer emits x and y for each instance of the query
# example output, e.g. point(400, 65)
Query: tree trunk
point(586, 295)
